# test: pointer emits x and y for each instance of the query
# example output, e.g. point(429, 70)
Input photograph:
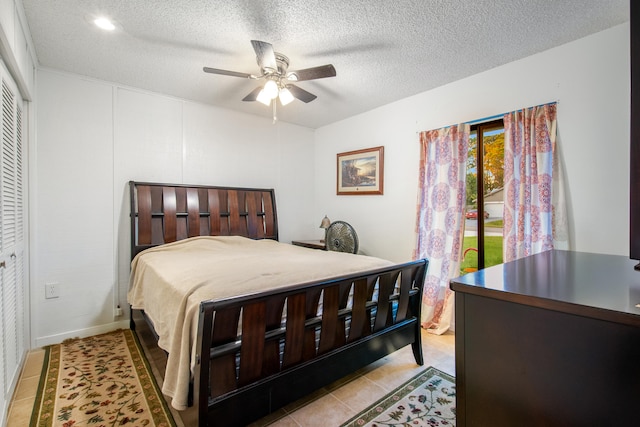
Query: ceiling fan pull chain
point(275, 117)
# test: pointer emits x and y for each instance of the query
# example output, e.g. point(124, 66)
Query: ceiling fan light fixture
point(263, 98)
point(271, 89)
point(285, 96)
point(278, 82)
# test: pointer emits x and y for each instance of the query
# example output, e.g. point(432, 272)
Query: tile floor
point(330, 406)
point(25, 394)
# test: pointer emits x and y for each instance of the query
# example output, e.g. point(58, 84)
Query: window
point(484, 204)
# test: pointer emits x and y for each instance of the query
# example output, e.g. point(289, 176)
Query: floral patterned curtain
point(441, 202)
point(534, 209)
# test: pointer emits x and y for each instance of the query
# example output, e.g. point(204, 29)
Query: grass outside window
point(492, 253)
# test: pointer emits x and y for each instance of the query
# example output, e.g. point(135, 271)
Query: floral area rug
point(428, 399)
point(99, 381)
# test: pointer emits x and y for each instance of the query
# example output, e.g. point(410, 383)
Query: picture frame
point(360, 172)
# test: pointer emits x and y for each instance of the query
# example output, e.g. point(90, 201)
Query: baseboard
point(81, 333)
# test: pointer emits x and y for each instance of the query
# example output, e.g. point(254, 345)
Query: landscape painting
point(360, 172)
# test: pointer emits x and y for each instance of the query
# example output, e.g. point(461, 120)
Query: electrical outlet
point(117, 312)
point(51, 290)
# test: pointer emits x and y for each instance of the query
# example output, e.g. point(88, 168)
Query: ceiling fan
point(279, 81)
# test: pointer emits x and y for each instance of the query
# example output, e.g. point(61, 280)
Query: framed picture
point(361, 172)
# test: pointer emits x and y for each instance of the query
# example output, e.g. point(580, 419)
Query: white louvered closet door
point(11, 239)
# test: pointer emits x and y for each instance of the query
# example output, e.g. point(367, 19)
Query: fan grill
point(341, 237)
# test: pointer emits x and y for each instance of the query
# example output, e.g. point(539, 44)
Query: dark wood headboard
point(165, 213)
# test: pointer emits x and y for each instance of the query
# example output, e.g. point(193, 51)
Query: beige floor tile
point(27, 388)
point(359, 393)
point(293, 406)
point(20, 413)
point(323, 412)
point(342, 381)
point(448, 366)
point(395, 372)
point(33, 363)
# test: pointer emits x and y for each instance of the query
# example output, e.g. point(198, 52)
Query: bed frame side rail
point(272, 364)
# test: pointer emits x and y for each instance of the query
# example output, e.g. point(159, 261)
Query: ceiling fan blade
point(253, 95)
point(265, 55)
point(228, 73)
point(312, 73)
point(300, 93)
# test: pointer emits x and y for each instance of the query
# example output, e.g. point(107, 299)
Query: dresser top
point(601, 286)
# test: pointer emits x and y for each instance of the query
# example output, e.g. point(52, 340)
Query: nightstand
point(312, 244)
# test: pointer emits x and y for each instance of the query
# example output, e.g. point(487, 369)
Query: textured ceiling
point(382, 50)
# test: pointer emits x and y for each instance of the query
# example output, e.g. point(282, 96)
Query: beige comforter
point(169, 281)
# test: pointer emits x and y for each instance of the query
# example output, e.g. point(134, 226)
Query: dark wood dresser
point(549, 340)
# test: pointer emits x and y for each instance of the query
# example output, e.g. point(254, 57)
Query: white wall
point(92, 138)
point(590, 80)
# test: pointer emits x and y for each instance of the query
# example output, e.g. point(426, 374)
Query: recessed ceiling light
point(104, 23)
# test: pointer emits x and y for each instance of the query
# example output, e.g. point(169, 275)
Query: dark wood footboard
point(278, 359)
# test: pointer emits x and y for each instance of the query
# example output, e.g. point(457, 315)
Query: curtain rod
point(495, 117)
point(472, 122)
point(485, 119)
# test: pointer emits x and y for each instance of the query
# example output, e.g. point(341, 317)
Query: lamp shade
point(285, 96)
point(326, 222)
point(271, 89)
point(263, 98)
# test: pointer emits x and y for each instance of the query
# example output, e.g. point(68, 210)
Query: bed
point(250, 324)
